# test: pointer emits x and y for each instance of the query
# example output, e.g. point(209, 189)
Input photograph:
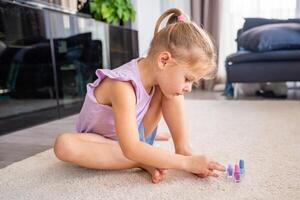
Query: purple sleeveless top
point(98, 118)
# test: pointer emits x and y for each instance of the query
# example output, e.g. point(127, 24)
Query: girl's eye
point(187, 80)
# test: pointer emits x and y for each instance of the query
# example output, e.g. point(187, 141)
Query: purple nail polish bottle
point(229, 171)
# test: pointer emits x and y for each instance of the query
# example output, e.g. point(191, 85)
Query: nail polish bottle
point(229, 171)
point(242, 167)
point(237, 174)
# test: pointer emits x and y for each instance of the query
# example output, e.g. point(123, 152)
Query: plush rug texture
point(266, 134)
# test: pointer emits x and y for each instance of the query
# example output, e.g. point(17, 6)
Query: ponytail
point(175, 13)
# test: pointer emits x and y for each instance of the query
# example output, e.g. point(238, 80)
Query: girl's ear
point(163, 58)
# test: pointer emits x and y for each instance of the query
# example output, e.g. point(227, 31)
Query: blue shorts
point(150, 139)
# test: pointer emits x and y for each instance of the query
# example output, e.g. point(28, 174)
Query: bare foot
point(156, 174)
point(162, 136)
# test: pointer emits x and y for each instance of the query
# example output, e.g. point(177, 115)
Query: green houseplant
point(112, 11)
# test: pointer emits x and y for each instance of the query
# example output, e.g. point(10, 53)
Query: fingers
point(201, 175)
point(216, 166)
point(213, 165)
point(207, 173)
point(211, 173)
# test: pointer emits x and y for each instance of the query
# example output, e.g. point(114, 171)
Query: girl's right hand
point(203, 166)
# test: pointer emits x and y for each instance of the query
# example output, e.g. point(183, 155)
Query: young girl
point(122, 108)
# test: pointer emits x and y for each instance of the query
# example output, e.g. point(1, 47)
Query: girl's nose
point(188, 88)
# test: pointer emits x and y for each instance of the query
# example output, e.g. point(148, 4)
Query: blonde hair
point(185, 40)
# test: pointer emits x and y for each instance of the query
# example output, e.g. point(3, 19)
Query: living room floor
point(24, 143)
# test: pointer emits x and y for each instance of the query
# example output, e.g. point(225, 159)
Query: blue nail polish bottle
point(242, 166)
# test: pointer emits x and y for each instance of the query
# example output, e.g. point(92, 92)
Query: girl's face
point(175, 80)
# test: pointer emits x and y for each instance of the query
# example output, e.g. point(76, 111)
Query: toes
point(156, 177)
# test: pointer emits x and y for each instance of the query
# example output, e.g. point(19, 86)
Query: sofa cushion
point(268, 56)
point(271, 37)
point(254, 22)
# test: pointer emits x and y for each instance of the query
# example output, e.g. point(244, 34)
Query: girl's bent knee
point(64, 147)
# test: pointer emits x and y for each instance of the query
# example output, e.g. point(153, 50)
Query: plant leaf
point(125, 16)
point(119, 12)
point(112, 11)
point(93, 7)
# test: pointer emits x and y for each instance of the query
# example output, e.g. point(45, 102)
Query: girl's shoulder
point(126, 74)
point(105, 90)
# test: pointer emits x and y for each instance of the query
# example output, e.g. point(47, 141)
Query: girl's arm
point(174, 115)
point(123, 102)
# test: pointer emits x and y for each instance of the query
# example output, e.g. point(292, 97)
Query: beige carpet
point(266, 134)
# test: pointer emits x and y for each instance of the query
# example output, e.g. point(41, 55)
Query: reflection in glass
point(78, 53)
point(123, 45)
point(26, 72)
point(46, 59)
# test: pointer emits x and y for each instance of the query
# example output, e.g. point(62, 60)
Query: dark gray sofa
point(250, 65)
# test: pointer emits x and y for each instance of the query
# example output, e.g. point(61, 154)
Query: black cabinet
point(123, 45)
point(46, 59)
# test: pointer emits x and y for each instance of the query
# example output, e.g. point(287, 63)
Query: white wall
point(298, 8)
point(147, 12)
point(184, 5)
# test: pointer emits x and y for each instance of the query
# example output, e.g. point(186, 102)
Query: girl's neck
point(147, 73)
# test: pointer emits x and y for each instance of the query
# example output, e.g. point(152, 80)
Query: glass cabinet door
point(123, 45)
point(79, 46)
point(48, 57)
point(26, 72)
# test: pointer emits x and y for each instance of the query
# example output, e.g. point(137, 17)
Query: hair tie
point(180, 18)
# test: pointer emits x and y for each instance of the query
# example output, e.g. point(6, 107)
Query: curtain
point(206, 13)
